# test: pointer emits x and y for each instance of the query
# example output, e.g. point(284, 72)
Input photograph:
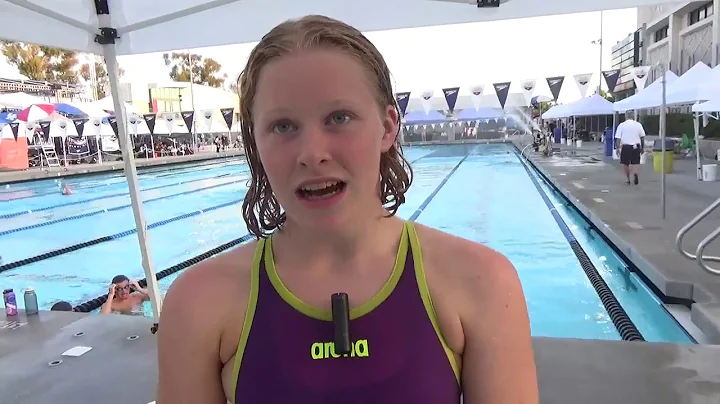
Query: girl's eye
point(283, 127)
point(339, 118)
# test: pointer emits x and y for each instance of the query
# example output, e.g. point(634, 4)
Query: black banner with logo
point(227, 114)
point(150, 121)
point(80, 125)
point(555, 84)
point(611, 79)
point(14, 126)
point(402, 99)
point(45, 128)
point(502, 90)
point(451, 96)
point(77, 146)
point(188, 117)
point(113, 124)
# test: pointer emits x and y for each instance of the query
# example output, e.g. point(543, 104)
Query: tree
point(102, 83)
point(607, 95)
point(204, 70)
point(41, 62)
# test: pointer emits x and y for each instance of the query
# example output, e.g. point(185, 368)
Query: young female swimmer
point(433, 316)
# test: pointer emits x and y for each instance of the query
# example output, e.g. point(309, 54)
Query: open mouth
point(319, 191)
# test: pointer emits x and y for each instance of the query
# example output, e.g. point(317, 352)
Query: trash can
point(609, 138)
point(669, 156)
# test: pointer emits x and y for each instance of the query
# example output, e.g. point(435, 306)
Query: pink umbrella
point(36, 112)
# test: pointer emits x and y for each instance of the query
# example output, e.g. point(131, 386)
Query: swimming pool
point(480, 192)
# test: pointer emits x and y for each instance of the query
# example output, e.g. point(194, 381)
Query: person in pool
point(433, 316)
point(124, 296)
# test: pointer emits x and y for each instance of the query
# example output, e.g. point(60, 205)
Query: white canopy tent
point(555, 112)
point(699, 83)
point(646, 98)
point(589, 106)
point(20, 100)
point(116, 27)
point(709, 106)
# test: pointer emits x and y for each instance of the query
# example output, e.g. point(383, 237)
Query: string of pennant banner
point(502, 89)
point(150, 120)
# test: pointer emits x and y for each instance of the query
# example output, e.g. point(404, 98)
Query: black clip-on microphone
point(341, 323)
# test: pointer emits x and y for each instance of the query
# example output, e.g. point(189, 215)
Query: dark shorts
point(629, 155)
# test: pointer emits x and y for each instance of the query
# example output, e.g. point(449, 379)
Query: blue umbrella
point(8, 117)
point(69, 110)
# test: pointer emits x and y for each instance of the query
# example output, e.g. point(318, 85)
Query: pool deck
point(631, 217)
point(569, 370)
point(10, 176)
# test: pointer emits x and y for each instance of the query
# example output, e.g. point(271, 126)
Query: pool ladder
point(698, 256)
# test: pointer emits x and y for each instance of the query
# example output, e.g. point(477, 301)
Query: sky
point(462, 55)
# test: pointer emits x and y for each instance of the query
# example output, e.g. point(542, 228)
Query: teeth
point(316, 187)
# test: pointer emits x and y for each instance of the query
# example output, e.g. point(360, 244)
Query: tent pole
point(132, 178)
point(53, 15)
point(697, 117)
point(209, 5)
point(663, 118)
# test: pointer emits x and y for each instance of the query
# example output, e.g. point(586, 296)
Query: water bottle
point(10, 303)
point(31, 303)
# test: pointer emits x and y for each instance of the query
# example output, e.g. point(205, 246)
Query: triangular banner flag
point(15, 126)
point(45, 128)
point(169, 121)
point(426, 98)
point(502, 90)
point(80, 126)
point(403, 99)
point(150, 120)
point(555, 84)
point(583, 83)
point(227, 114)
point(208, 119)
point(63, 128)
point(451, 96)
point(528, 86)
point(611, 79)
point(477, 92)
point(113, 124)
point(96, 126)
point(640, 75)
point(188, 118)
point(134, 122)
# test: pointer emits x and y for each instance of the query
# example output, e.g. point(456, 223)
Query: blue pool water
point(488, 198)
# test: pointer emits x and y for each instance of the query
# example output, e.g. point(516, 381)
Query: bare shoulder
point(482, 312)
point(461, 263)
point(211, 294)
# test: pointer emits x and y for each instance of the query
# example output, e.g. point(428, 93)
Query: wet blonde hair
point(261, 209)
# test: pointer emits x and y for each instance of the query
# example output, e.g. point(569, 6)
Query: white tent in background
point(107, 105)
point(705, 85)
point(589, 106)
point(115, 27)
point(684, 90)
point(646, 98)
point(20, 100)
point(555, 112)
point(709, 106)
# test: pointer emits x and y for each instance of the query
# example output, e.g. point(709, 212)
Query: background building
point(625, 55)
point(681, 34)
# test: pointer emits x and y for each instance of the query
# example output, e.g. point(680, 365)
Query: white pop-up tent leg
point(132, 179)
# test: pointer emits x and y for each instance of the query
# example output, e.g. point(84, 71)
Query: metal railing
point(698, 256)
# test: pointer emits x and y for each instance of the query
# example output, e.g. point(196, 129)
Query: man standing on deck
point(630, 143)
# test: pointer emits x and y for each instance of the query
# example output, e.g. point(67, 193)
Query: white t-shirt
point(630, 132)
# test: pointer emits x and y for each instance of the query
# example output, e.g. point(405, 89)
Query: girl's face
point(320, 133)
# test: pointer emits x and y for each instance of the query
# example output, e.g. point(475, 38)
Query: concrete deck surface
point(631, 217)
point(122, 371)
point(9, 176)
